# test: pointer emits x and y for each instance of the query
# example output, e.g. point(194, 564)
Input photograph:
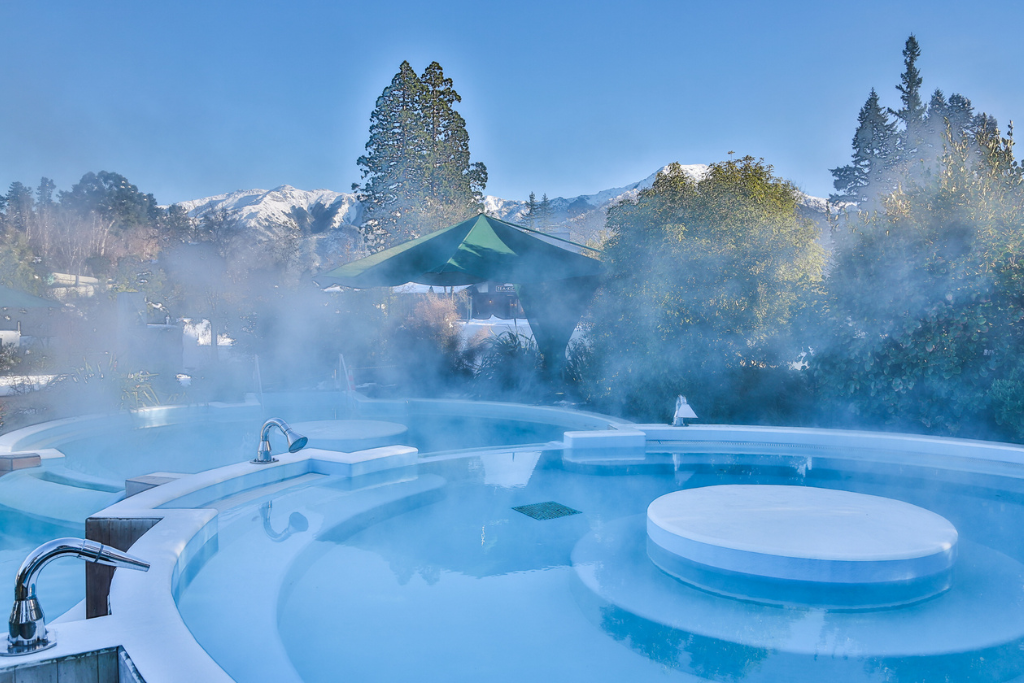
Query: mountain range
point(331, 219)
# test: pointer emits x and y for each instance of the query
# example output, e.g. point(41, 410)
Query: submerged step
point(34, 493)
point(136, 485)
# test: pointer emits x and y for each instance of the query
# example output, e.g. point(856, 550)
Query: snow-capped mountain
point(325, 221)
point(310, 211)
point(331, 218)
point(582, 217)
point(515, 210)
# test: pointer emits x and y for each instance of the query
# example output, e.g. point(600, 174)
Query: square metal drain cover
point(548, 510)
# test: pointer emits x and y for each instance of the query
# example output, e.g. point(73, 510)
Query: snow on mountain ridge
point(278, 206)
point(325, 221)
point(514, 210)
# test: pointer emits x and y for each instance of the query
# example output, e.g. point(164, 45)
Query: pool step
point(147, 481)
point(26, 492)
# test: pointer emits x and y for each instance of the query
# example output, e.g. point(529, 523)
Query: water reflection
point(297, 523)
point(710, 658)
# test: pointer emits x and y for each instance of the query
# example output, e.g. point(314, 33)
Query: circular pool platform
point(802, 544)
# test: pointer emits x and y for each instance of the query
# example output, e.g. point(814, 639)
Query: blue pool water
point(429, 574)
point(62, 585)
point(37, 505)
point(118, 454)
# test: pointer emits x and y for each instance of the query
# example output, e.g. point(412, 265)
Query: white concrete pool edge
point(168, 641)
point(942, 452)
point(144, 617)
point(35, 490)
point(147, 603)
point(37, 437)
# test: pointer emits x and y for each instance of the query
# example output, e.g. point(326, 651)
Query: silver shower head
point(296, 441)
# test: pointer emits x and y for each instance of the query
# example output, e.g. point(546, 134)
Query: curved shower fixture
point(296, 442)
point(27, 627)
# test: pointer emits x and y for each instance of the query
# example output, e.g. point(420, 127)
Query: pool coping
point(181, 536)
point(38, 437)
point(41, 438)
point(631, 441)
point(144, 617)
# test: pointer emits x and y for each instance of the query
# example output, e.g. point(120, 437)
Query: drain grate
point(548, 510)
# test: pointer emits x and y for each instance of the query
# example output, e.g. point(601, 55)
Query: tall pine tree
point(19, 207)
point(912, 113)
point(947, 122)
point(45, 207)
point(453, 185)
point(544, 212)
point(874, 153)
point(531, 211)
point(960, 113)
point(892, 148)
point(416, 170)
point(392, 166)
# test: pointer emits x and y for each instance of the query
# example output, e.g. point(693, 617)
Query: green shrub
point(509, 367)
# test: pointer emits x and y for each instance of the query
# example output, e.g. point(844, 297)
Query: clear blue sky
point(189, 99)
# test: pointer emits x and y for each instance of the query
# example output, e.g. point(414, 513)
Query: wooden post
point(118, 533)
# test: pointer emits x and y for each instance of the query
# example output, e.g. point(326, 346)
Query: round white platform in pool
point(801, 534)
point(350, 435)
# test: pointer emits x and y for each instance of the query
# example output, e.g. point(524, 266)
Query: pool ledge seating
point(176, 521)
point(168, 526)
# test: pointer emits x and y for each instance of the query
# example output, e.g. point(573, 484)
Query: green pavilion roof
point(476, 250)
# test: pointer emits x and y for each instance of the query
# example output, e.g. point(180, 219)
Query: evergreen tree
point(935, 124)
point(953, 120)
point(453, 185)
point(874, 150)
point(416, 170)
point(531, 211)
point(392, 168)
point(16, 258)
point(45, 208)
point(218, 228)
point(112, 198)
point(19, 207)
point(913, 110)
point(960, 113)
point(544, 212)
point(924, 300)
point(912, 113)
point(109, 202)
point(894, 147)
point(178, 226)
point(44, 193)
point(16, 265)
